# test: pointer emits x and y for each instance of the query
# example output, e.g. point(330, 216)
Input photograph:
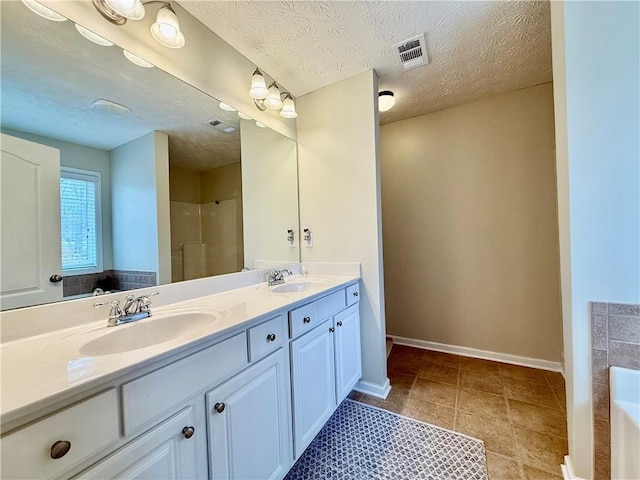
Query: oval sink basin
point(299, 285)
point(148, 332)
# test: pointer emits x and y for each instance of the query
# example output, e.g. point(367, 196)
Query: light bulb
point(273, 101)
point(258, 89)
point(166, 30)
point(44, 12)
point(385, 100)
point(136, 59)
point(131, 9)
point(226, 107)
point(288, 108)
point(244, 116)
point(93, 37)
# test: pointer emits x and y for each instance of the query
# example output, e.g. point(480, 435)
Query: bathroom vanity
point(233, 385)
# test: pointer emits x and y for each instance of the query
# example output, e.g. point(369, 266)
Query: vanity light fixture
point(244, 116)
point(93, 37)
point(136, 59)
point(385, 100)
point(271, 97)
point(165, 30)
point(226, 107)
point(44, 12)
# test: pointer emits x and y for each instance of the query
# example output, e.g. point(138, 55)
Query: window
point(80, 221)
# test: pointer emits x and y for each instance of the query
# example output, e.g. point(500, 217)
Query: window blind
point(78, 194)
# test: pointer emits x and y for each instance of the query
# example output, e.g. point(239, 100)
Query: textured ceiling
point(476, 49)
point(51, 74)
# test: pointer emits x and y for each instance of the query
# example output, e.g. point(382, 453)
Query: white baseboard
point(380, 391)
point(567, 469)
point(484, 354)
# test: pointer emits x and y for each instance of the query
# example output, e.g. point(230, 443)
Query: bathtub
point(625, 423)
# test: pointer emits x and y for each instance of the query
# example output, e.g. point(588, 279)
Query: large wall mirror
point(116, 175)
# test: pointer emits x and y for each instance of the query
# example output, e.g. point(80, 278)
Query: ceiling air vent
point(220, 125)
point(412, 52)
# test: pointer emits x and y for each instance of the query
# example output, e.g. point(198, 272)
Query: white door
point(347, 348)
point(29, 223)
point(313, 381)
point(169, 451)
point(249, 423)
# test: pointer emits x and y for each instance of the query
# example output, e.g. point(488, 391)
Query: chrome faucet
point(276, 277)
point(135, 308)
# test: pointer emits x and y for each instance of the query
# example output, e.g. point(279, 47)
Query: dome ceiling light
point(386, 100)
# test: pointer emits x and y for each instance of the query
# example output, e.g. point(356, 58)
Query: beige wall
point(184, 185)
point(225, 183)
point(339, 183)
point(470, 226)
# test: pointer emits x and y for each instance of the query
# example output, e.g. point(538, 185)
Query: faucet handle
point(114, 313)
point(145, 303)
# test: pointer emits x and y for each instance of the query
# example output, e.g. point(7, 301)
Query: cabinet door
point(313, 380)
point(347, 351)
point(249, 423)
point(163, 453)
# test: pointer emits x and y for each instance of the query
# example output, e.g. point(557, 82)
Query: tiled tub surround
point(615, 342)
point(518, 412)
point(123, 280)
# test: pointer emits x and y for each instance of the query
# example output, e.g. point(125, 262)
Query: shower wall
point(206, 222)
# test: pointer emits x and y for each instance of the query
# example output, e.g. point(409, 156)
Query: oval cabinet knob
point(331, 330)
point(188, 432)
point(219, 407)
point(271, 337)
point(306, 319)
point(55, 278)
point(60, 448)
point(339, 324)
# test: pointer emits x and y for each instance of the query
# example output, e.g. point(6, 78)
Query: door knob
point(188, 432)
point(219, 407)
point(355, 294)
point(55, 278)
point(339, 324)
point(271, 337)
point(306, 319)
point(331, 330)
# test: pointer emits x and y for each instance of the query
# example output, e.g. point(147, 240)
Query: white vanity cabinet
point(249, 423)
point(325, 360)
point(175, 449)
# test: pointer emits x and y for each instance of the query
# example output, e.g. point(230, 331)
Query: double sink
point(175, 324)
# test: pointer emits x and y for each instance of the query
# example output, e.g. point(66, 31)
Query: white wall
point(471, 229)
point(596, 49)
point(88, 158)
point(269, 195)
point(206, 61)
point(339, 183)
point(140, 206)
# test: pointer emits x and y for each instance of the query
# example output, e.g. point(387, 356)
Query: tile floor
point(518, 412)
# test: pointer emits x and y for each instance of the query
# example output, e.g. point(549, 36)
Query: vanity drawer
point(330, 305)
point(88, 427)
point(302, 320)
point(353, 294)
point(266, 337)
point(147, 397)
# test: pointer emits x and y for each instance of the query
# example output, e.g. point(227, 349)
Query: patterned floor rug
point(360, 442)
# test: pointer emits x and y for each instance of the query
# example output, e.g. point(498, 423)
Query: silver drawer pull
point(306, 319)
point(188, 432)
point(219, 407)
point(271, 337)
point(60, 449)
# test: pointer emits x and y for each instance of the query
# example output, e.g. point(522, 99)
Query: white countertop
point(42, 369)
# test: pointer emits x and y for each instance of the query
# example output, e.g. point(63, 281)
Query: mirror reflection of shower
point(206, 222)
